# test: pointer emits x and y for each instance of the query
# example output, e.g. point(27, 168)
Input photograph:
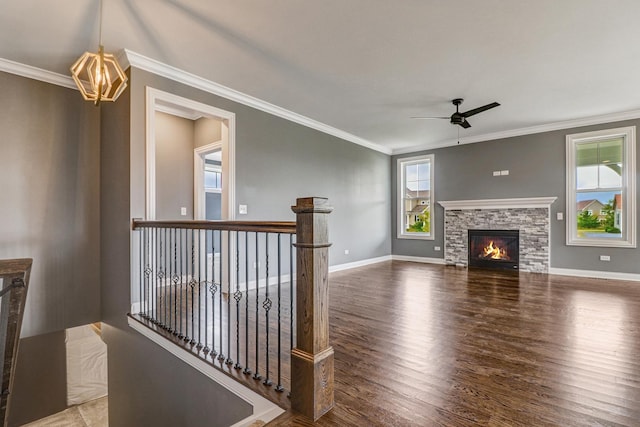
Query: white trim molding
point(181, 76)
point(610, 275)
point(420, 259)
point(35, 73)
point(263, 409)
point(361, 263)
point(522, 202)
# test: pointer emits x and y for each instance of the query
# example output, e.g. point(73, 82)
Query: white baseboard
point(263, 409)
point(361, 263)
point(424, 260)
point(595, 274)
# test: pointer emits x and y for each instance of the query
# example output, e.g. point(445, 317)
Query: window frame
point(401, 163)
point(213, 168)
point(628, 186)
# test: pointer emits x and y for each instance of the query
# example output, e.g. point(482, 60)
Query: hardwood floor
point(428, 345)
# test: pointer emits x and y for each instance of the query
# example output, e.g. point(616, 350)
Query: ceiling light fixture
point(98, 76)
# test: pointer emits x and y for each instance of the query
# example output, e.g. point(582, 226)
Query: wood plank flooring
point(428, 345)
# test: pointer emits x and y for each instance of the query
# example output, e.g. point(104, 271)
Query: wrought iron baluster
point(192, 286)
point(182, 261)
point(147, 273)
point(237, 295)
point(246, 370)
point(256, 374)
point(291, 276)
point(228, 361)
point(199, 282)
point(221, 355)
point(214, 290)
point(174, 282)
point(267, 308)
point(164, 278)
point(141, 264)
point(155, 276)
point(279, 386)
point(206, 300)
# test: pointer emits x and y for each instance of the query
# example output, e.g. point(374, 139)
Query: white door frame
point(157, 100)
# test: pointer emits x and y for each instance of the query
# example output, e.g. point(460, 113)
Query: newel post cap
point(312, 205)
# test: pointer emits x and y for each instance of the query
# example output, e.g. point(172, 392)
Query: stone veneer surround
point(531, 216)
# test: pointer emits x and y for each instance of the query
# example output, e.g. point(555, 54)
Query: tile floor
point(90, 414)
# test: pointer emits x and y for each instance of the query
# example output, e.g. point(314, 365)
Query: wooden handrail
point(287, 227)
point(15, 280)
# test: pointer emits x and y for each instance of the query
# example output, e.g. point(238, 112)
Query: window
point(415, 197)
point(601, 188)
point(212, 178)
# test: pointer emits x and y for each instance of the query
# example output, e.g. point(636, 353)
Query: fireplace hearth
point(494, 249)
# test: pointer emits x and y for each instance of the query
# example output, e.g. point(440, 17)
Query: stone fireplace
point(529, 216)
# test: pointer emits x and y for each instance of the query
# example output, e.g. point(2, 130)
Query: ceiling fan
point(459, 118)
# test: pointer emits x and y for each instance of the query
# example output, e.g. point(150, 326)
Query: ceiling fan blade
point(429, 118)
point(465, 124)
point(479, 109)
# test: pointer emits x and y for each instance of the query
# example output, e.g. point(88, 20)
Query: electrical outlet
point(183, 211)
point(242, 209)
point(560, 216)
point(496, 173)
point(346, 251)
point(436, 248)
point(504, 172)
point(605, 258)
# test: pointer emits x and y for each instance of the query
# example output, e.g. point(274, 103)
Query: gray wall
point(278, 161)
point(174, 166)
point(536, 165)
point(49, 202)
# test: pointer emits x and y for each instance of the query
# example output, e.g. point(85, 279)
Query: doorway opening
point(184, 136)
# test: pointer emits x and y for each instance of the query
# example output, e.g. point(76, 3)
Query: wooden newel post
point(312, 357)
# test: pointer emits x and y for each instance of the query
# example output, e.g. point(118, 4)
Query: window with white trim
point(601, 171)
point(415, 197)
point(212, 178)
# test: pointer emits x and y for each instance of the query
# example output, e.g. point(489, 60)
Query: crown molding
point(566, 124)
point(35, 73)
point(156, 67)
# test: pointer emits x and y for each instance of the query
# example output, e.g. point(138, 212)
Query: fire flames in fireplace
point(494, 252)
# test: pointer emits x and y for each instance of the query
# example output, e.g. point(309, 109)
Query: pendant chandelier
point(98, 76)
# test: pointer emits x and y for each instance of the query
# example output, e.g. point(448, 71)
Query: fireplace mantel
point(523, 202)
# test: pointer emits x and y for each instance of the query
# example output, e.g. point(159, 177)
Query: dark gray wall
point(536, 165)
point(174, 166)
point(49, 211)
point(40, 387)
point(49, 202)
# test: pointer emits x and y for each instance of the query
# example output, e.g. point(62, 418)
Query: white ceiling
point(366, 66)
